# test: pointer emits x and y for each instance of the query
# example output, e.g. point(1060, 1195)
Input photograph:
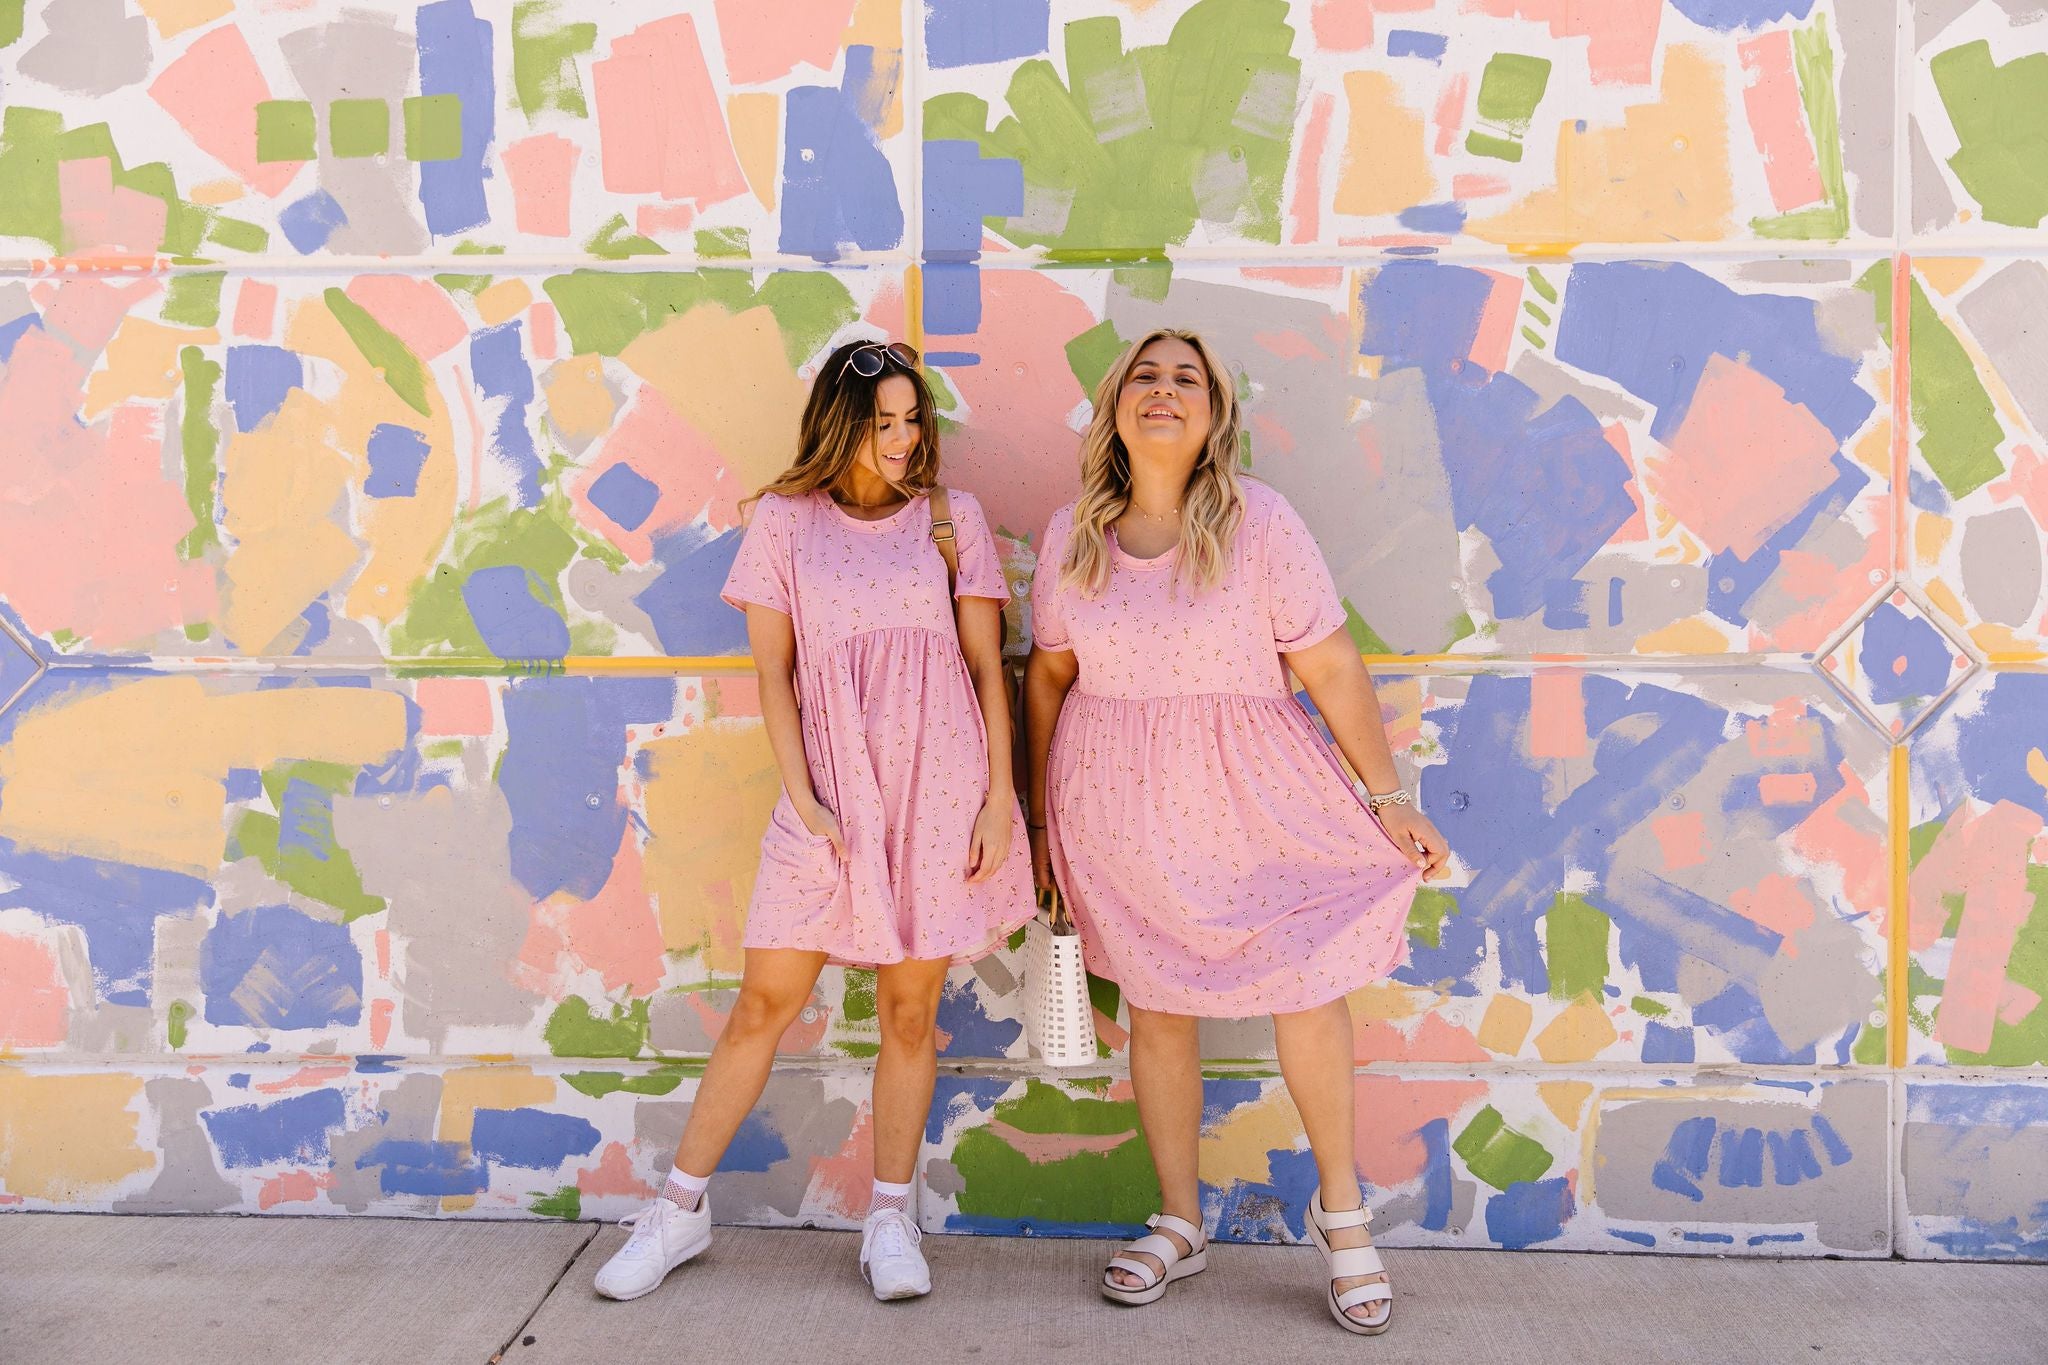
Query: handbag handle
point(1056, 905)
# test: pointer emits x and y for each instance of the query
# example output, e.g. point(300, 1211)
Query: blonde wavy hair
point(839, 418)
point(1211, 507)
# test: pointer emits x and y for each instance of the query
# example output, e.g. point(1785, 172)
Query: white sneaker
point(664, 1236)
point(889, 1257)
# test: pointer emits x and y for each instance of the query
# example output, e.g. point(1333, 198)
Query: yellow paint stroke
point(465, 1091)
point(134, 774)
point(2003, 645)
point(578, 401)
point(728, 375)
point(1566, 1099)
point(1505, 1025)
point(1873, 449)
point(1947, 273)
point(1579, 1034)
point(1899, 819)
point(1691, 636)
point(708, 796)
point(879, 24)
point(1930, 536)
point(141, 362)
point(503, 301)
point(173, 17)
point(68, 1138)
point(1386, 157)
point(1661, 176)
point(1388, 1002)
point(404, 535)
point(284, 486)
point(1944, 597)
point(225, 191)
point(754, 116)
point(1235, 1150)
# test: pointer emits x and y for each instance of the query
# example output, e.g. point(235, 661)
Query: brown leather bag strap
point(942, 535)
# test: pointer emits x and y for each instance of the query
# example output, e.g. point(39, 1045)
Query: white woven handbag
point(1059, 1019)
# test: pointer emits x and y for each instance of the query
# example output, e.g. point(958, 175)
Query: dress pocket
point(797, 860)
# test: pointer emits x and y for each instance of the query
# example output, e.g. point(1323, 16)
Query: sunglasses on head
point(871, 359)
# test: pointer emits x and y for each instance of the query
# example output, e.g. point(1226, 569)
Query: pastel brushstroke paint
point(381, 800)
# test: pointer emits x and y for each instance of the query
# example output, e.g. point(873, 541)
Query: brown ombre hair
point(841, 414)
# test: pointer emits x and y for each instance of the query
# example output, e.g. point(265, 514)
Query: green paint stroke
point(33, 142)
point(1363, 635)
point(200, 442)
point(615, 241)
point(358, 128)
point(598, 1084)
point(1141, 145)
point(573, 1031)
point(180, 1012)
point(1542, 286)
point(605, 310)
point(2000, 115)
point(310, 862)
point(566, 1202)
point(1813, 58)
point(858, 1003)
point(1959, 431)
point(391, 358)
point(543, 540)
point(2024, 1043)
point(193, 300)
point(1427, 913)
point(284, 130)
point(433, 127)
point(1116, 1186)
point(11, 18)
point(544, 57)
point(1498, 1154)
point(1509, 90)
point(732, 242)
point(1648, 1008)
point(1575, 946)
point(1090, 354)
point(1921, 838)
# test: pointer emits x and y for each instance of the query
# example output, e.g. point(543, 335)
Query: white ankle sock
point(686, 1192)
point(889, 1196)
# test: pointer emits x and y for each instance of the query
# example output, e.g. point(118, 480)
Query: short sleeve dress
point(1219, 858)
point(893, 736)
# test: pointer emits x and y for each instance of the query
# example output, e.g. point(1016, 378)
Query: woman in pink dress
point(1218, 859)
point(886, 706)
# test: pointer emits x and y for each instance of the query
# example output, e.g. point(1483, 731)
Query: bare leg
point(1317, 1062)
point(907, 1001)
point(1166, 1071)
point(775, 986)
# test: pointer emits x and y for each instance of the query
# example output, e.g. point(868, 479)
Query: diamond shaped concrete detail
point(20, 664)
point(1898, 661)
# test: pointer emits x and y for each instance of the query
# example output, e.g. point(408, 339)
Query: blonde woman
point(879, 655)
point(1218, 859)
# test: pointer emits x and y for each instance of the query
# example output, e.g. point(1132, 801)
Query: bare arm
point(981, 643)
point(1341, 687)
point(1048, 677)
point(772, 637)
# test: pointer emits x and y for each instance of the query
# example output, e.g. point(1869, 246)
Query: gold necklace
point(1153, 516)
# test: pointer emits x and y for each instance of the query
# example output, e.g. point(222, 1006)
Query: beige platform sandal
point(1344, 1263)
point(1155, 1243)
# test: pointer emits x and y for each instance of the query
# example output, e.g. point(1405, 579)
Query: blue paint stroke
point(1742, 1158)
point(1529, 1211)
point(1726, 16)
point(975, 32)
point(502, 374)
point(838, 189)
point(1770, 1238)
point(689, 618)
point(530, 1138)
point(566, 741)
point(1904, 657)
point(258, 379)
point(1259, 1210)
point(1641, 1239)
point(622, 494)
point(115, 904)
point(412, 1167)
point(1438, 1182)
point(2011, 1107)
point(455, 59)
point(971, 1032)
point(308, 223)
point(1446, 218)
point(292, 1131)
point(1994, 744)
point(1684, 1162)
point(397, 455)
point(12, 331)
point(955, 1097)
point(1408, 42)
point(273, 967)
point(755, 1147)
point(505, 603)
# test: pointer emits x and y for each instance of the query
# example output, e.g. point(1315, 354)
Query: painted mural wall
point(380, 777)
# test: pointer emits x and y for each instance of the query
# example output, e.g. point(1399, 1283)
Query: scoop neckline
point(888, 523)
point(1163, 560)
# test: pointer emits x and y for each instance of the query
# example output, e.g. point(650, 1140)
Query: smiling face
point(886, 452)
point(1164, 404)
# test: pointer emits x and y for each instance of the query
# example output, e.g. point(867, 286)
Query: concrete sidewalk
point(171, 1290)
